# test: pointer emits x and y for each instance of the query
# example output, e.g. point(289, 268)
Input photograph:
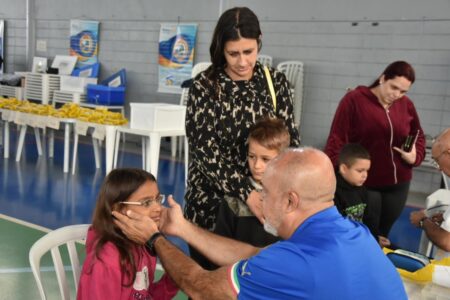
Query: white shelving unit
point(41, 86)
point(11, 91)
point(69, 97)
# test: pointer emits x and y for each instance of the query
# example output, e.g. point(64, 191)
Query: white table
point(39, 122)
point(417, 291)
point(23, 120)
point(23, 131)
point(68, 123)
point(150, 146)
point(5, 136)
point(99, 132)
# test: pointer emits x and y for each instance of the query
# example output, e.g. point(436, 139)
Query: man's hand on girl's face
point(136, 227)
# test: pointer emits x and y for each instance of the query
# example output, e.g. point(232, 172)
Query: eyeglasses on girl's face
point(147, 202)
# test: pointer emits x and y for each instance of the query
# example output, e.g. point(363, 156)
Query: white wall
point(320, 33)
point(348, 43)
point(14, 14)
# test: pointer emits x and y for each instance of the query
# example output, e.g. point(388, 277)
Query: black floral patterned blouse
point(217, 125)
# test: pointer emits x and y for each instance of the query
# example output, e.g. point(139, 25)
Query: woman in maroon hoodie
point(384, 120)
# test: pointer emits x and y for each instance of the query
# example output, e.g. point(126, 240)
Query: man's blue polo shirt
point(327, 257)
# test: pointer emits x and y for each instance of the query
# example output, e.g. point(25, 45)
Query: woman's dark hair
point(233, 24)
point(396, 69)
point(118, 186)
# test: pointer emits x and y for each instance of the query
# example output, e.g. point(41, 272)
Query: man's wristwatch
point(151, 242)
point(422, 221)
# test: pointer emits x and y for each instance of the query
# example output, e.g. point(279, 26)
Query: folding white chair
point(294, 74)
point(67, 235)
point(265, 60)
point(199, 67)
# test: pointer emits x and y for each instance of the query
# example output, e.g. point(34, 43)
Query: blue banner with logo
point(84, 41)
point(176, 55)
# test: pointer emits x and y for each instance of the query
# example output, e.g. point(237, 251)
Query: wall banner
point(176, 55)
point(84, 41)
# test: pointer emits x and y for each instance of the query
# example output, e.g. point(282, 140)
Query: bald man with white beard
point(322, 256)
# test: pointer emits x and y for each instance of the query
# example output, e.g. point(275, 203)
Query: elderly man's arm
point(196, 282)
point(220, 250)
point(436, 234)
point(439, 236)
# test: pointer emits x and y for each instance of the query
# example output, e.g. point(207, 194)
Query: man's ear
point(293, 202)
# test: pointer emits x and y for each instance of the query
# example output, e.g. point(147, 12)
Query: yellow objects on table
point(99, 115)
point(10, 103)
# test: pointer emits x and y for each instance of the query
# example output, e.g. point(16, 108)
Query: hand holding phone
point(410, 141)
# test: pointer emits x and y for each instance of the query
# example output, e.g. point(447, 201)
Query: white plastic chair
point(294, 74)
point(50, 242)
point(199, 67)
point(265, 60)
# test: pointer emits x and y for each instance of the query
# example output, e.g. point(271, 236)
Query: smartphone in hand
point(410, 141)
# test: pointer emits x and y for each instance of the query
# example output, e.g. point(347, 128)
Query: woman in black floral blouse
point(224, 101)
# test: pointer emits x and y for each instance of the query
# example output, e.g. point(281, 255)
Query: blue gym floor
point(36, 190)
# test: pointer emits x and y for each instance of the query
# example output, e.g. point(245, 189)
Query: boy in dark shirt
point(351, 197)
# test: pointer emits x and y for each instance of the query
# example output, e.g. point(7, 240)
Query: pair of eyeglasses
point(435, 160)
point(147, 202)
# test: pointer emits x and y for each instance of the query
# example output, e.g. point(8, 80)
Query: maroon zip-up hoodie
point(360, 118)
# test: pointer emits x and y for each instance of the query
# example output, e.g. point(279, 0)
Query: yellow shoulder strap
point(272, 91)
